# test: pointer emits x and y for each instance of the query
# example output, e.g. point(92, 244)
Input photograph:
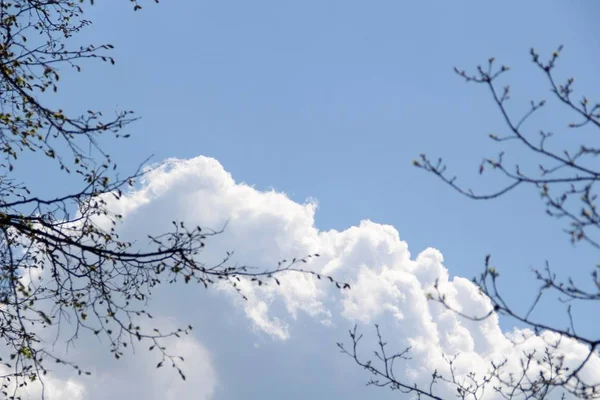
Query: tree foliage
point(567, 182)
point(63, 267)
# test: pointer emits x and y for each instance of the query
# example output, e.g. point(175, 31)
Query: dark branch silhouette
point(63, 267)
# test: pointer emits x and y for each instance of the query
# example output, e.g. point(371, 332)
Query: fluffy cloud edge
point(388, 285)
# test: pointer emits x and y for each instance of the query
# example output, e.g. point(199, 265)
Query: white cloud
point(136, 374)
point(53, 389)
point(165, 384)
point(388, 286)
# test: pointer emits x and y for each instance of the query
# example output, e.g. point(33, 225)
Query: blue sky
point(332, 101)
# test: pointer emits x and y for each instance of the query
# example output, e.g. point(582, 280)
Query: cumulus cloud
point(388, 284)
point(53, 388)
point(138, 378)
point(135, 375)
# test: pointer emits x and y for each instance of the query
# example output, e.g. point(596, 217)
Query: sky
point(298, 123)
